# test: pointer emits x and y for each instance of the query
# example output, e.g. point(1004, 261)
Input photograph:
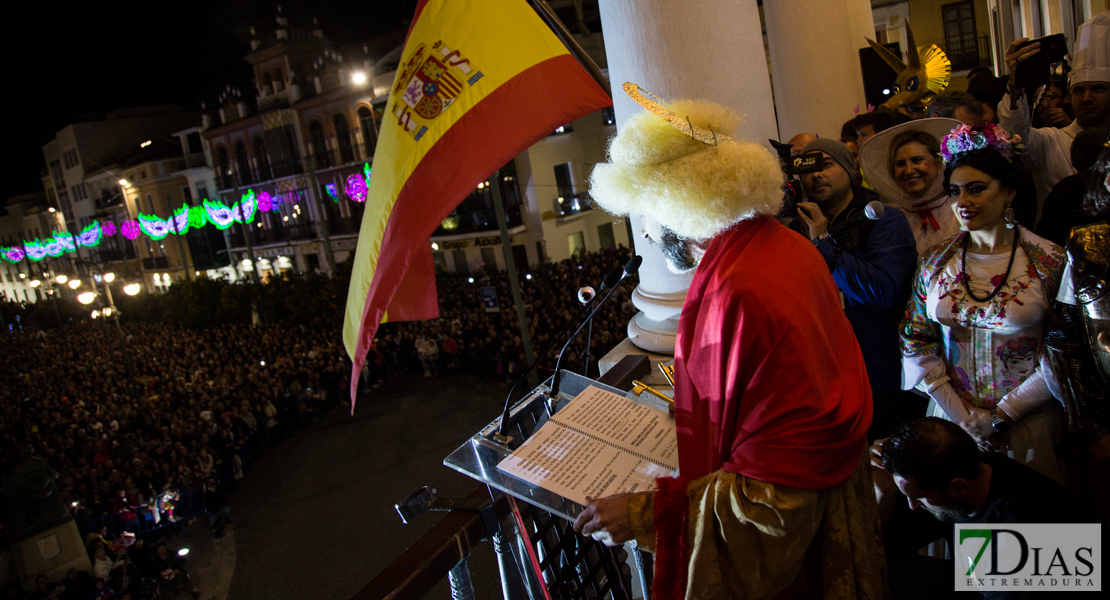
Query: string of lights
point(210, 212)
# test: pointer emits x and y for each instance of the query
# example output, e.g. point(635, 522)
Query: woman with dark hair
point(981, 297)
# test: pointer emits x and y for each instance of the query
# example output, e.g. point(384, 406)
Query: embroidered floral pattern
point(989, 351)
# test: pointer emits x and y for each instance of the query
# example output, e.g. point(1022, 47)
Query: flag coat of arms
point(478, 82)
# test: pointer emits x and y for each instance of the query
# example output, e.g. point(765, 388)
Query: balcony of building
point(154, 263)
point(110, 255)
point(968, 52)
point(572, 205)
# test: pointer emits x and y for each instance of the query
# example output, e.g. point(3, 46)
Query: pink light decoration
point(356, 187)
point(108, 228)
point(130, 229)
point(265, 202)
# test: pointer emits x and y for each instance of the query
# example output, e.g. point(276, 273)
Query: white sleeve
point(1018, 121)
point(1026, 397)
point(1067, 287)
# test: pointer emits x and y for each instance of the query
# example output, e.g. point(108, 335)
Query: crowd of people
point(141, 437)
point(466, 338)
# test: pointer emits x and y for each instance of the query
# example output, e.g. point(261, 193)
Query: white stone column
point(814, 48)
point(706, 50)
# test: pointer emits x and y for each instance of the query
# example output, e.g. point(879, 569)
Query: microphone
point(872, 212)
point(613, 278)
point(586, 294)
point(630, 268)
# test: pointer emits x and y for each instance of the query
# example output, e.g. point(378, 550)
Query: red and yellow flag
point(479, 81)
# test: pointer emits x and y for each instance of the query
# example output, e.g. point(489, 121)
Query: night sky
point(65, 61)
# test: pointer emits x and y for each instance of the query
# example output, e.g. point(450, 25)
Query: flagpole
point(564, 35)
point(514, 280)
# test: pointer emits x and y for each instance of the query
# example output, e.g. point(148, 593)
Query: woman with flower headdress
point(978, 307)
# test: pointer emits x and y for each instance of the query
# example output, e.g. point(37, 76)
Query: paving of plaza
point(314, 518)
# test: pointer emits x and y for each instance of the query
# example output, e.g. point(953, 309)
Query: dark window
point(193, 141)
point(242, 164)
point(343, 139)
point(960, 40)
point(563, 180)
point(608, 116)
point(319, 144)
point(224, 164)
point(262, 160)
point(369, 129)
point(188, 195)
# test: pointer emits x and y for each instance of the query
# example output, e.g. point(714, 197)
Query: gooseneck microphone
point(872, 212)
point(612, 279)
point(630, 269)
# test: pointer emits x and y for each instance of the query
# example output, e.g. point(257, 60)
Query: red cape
point(769, 379)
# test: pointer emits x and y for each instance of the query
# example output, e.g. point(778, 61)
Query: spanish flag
point(479, 81)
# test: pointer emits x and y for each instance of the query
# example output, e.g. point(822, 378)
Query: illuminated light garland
point(182, 220)
point(197, 217)
point(90, 236)
point(223, 217)
point(130, 229)
point(356, 188)
point(333, 191)
point(154, 227)
point(244, 211)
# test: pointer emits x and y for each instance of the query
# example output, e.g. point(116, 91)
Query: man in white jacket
point(1048, 150)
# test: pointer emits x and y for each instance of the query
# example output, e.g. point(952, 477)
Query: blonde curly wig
point(696, 190)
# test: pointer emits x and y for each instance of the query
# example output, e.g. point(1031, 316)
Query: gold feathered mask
point(926, 75)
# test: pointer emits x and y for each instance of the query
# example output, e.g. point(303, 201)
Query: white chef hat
point(1092, 50)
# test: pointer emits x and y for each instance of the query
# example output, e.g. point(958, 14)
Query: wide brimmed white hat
point(874, 159)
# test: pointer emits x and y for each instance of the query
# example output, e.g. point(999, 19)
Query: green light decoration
point(215, 212)
point(197, 217)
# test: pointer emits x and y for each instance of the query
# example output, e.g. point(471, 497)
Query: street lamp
point(95, 314)
point(86, 298)
point(132, 289)
point(74, 284)
point(61, 278)
point(35, 283)
point(109, 277)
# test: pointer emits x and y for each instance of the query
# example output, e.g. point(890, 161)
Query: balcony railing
point(107, 255)
point(574, 205)
point(152, 263)
point(301, 232)
point(458, 223)
point(966, 54)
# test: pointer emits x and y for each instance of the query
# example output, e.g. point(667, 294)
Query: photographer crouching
point(872, 261)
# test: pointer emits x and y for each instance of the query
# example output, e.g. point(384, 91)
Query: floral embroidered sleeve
point(920, 335)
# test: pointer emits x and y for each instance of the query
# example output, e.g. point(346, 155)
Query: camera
point(792, 193)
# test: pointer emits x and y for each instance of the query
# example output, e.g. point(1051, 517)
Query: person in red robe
point(774, 496)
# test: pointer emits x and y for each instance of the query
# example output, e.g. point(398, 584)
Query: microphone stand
point(630, 268)
point(502, 434)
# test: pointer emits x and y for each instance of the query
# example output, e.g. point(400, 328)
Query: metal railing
point(574, 205)
point(155, 262)
point(967, 54)
point(416, 571)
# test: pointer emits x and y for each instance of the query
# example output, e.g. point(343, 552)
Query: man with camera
point(1048, 150)
point(872, 264)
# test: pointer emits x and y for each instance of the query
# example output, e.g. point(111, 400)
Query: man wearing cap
point(872, 265)
point(1048, 150)
point(772, 403)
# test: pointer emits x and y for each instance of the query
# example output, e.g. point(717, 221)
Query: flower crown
point(966, 138)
